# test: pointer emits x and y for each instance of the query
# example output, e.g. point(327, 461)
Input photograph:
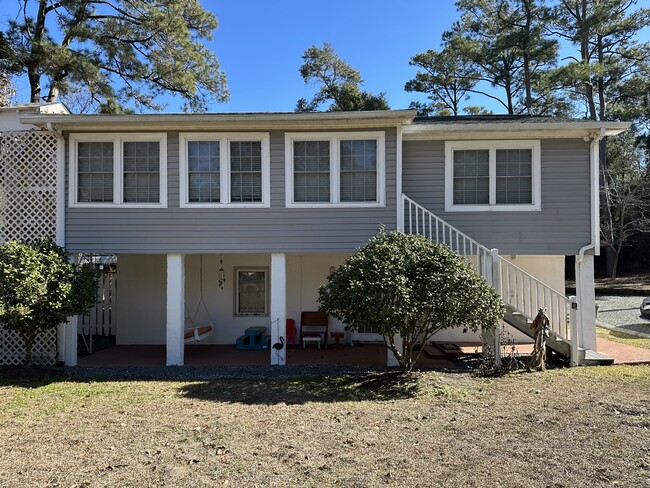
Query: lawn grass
point(623, 338)
point(566, 427)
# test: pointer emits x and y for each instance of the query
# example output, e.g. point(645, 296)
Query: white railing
point(517, 288)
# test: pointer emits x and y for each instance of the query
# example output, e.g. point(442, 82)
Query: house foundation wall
point(548, 269)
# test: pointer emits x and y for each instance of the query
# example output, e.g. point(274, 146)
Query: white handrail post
point(575, 331)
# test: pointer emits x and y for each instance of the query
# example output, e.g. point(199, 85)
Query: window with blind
point(203, 168)
point(251, 296)
point(127, 169)
point(224, 169)
point(492, 175)
point(245, 171)
point(95, 171)
point(358, 170)
point(141, 167)
point(514, 176)
point(472, 177)
point(342, 169)
point(311, 166)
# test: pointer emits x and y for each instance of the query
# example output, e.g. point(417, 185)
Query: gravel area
point(622, 313)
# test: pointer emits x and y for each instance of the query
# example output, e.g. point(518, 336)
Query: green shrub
point(406, 286)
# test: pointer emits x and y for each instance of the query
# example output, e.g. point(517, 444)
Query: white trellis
point(28, 197)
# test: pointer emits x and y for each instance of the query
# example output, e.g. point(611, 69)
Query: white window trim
point(224, 168)
point(492, 146)
point(118, 175)
point(265, 270)
point(334, 139)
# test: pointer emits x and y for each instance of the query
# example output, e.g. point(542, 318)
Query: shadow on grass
point(33, 377)
point(373, 386)
point(295, 391)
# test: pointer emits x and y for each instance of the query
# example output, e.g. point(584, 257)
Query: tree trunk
point(35, 55)
point(612, 260)
point(585, 56)
point(29, 338)
point(526, 59)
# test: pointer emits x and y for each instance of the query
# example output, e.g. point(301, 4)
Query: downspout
point(576, 302)
point(594, 157)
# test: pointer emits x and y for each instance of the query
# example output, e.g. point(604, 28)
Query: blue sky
point(260, 45)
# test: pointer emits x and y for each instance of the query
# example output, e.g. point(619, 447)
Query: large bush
point(40, 289)
point(408, 287)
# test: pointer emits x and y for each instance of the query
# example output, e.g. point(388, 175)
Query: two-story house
point(240, 217)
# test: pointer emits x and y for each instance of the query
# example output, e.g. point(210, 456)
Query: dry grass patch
point(573, 427)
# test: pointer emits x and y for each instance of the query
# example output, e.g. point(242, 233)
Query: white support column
point(175, 309)
point(586, 295)
point(70, 331)
point(279, 308)
point(492, 335)
point(70, 348)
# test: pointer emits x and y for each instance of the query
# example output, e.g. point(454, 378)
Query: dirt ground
point(629, 285)
point(563, 428)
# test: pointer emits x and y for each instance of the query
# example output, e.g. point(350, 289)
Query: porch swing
point(197, 331)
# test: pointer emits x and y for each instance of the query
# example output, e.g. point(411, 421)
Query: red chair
point(291, 332)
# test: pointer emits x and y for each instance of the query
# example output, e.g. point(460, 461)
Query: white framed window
point(327, 169)
point(251, 291)
point(492, 176)
point(129, 170)
point(220, 169)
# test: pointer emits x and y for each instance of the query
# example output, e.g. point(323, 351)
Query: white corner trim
point(398, 179)
point(334, 139)
point(492, 146)
point(117, 139)
point(224, 139)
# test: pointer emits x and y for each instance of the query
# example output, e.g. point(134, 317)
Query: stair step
point(594, 358)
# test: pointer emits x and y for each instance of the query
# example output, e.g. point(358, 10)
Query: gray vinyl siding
point(561, 227)
point(231, 230)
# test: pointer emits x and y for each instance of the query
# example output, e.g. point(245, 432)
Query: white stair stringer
point(522, 293)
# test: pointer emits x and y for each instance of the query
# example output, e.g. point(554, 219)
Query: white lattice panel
point(28, 169)
point(12, 349)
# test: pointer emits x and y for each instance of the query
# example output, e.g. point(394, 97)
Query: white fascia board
point(519, 130)
point(244, 121)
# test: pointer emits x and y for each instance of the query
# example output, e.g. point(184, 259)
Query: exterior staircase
point(522, 293)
